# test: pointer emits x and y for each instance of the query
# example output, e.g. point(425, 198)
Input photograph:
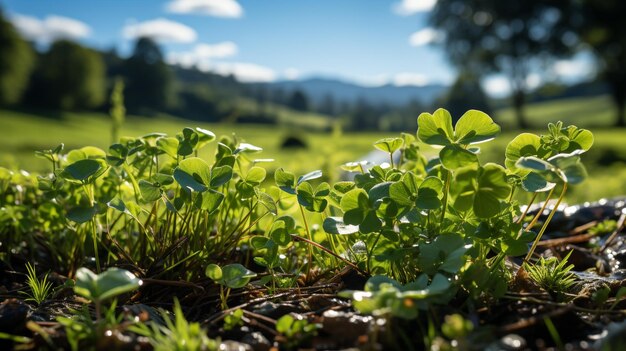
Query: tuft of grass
point(39, 289)
point(551, 275)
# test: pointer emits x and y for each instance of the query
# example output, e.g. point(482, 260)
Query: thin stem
point(310, 248)
point(446, 189)
point(530, 203)
point(545, 204)
point(391, 159)
point(545, 224)
point(370, 252)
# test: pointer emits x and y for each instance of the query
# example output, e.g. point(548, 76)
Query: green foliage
point(16, 63)
point(178, 335)
point(296, 331)
point(385, 296)
point(552, 275)
point(72, 76)
point(425, 231)
point(39, 289)
point(106, 285)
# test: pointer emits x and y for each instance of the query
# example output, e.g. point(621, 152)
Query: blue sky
point(371, 42)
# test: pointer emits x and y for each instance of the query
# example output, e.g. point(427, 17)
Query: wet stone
point(257, 341)
point(13, 314)
point(230, 345)
point(275, 310)
point(345, 327)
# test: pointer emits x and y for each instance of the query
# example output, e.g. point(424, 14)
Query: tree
point(508, 37)
point(604, 30)
point(16, 63)
point(149, 81)
point(72, 76)
point(298, 101)
point(465, 94)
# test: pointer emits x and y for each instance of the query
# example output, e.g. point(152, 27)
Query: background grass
point(22, 133)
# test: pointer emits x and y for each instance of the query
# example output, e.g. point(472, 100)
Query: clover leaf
point(472, 128)
point(481, 189)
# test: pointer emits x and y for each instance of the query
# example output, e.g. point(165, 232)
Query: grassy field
point(23, 133)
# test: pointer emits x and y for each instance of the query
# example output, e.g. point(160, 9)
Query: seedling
point(231, 276)
point(104, 286)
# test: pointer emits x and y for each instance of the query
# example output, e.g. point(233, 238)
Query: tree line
point(520, 37)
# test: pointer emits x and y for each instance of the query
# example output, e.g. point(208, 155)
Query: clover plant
point(104, 286)
point(231, 276)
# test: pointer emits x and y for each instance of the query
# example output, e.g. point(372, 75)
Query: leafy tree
point(466, 94)
point(508, 37)
point(149, 85)
point(72, 76)
point(16, 63)
point(604, 30)
point(298, 101)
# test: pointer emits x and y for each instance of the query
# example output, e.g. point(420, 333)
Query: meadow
point(23, 133)
point(222, 229)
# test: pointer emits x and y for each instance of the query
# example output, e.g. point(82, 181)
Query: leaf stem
point(545, 224)
point(445, 197)
point(310, 248)
point(545, 203)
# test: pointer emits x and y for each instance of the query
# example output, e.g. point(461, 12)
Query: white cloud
point(51, 28)
point(291, 73)
point(161, 30)
point(244, 72)
point(217, 8)
point(411, 7)
point(202, 53)
point(425, 36)
point(408, 78)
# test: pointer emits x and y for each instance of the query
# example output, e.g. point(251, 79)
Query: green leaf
point(210, 201)
point(310, 176)
point(475, 127)
point(220, 176)
point(267, 201)
point(492, 187)
point(83, 169)
point(533, 183)
point(335, 225)
point(454, 157)
point(247, 149)
point(430, 193)
point(389, 145)
point(149, 192)
point(523, 145)
point(404, 191)
point(168, 145)
point(193, 173)
point(256, 175)
point(435, 129)
point(534, 164)
point(119, 205)
point(581, 140)
point(236, 276)
point(286, 181)
point(82, 214)
point(214, 272)
point(279, 233)
point(370, 224)
point(106, 285)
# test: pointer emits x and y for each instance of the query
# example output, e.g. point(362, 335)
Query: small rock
point(257, 341)
point(345, 327)
point(230, 345)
